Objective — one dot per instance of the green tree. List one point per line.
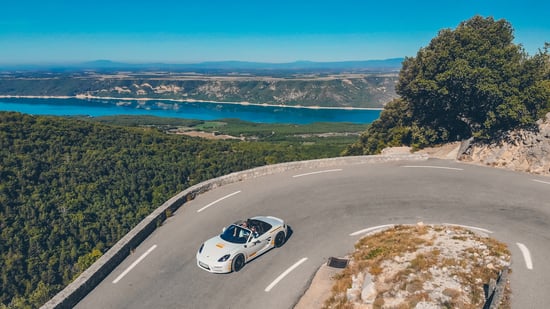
(469, 82)
(393, 128)
(87, 260)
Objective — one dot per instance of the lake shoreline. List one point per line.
(87, 97)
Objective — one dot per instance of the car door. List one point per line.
(263, 242)
(252, 247)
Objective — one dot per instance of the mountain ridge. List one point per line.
(391, 64)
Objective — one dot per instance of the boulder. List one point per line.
(368, 293)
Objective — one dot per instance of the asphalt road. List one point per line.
(323, 207)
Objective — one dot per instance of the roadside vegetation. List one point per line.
(470, 82)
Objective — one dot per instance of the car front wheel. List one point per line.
(238, 262)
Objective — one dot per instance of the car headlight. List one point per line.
(224, 258)
(200, 249)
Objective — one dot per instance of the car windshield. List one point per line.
(236, 234)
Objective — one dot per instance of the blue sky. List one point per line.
(185, 31)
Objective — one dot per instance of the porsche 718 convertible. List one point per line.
(241, 242)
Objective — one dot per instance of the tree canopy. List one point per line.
(469, 82)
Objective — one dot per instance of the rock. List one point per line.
(353, 294)
(520, 150)
(368, 294)
(426, 305)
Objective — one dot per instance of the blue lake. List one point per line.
(188, 110)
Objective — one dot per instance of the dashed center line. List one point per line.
(526, 255)
(433, 166)
(545, 182)
(318, 172)
(218, 200)
(284, 274)
(124, 273)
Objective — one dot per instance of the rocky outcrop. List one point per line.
(521, 150)
(427, 266)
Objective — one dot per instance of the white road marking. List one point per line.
(546, 182)
(219, 200)
(526, 255)
(134, 264)
(433, 166)
(319, 172)
(370, 229)
(471, 227)
(284, 274)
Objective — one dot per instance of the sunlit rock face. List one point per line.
(521, 150)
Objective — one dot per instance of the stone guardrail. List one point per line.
(91, 277)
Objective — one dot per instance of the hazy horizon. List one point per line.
(59, 31)
(186, 63)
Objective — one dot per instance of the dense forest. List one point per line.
(471, 82)
(70, 189)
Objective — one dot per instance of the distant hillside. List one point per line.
(386, 65)
(365, 90)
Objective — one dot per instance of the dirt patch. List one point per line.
(207, 135)
(448, 151)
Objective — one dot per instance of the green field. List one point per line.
(330, 139)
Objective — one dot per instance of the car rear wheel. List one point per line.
(238, 262)
(280, 239)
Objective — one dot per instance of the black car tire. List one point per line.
(238, 262)
(280, 239)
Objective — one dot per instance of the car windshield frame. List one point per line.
(236, 234)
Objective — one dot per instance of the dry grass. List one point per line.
(412, 264)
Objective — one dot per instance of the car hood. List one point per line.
(216, 247)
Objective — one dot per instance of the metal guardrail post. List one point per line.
(495, 291)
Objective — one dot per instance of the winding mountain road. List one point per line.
(328, 210)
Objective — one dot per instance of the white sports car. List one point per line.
(241, 242)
